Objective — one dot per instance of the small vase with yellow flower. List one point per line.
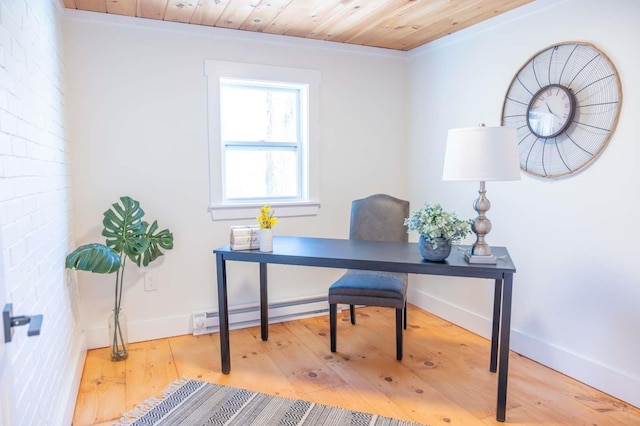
(266, 220)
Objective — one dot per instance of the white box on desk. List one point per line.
(251, 246)
(240, 230)
(244, 237)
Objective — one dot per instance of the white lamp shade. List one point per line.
(482, 154)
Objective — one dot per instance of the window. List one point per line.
(263, 142)
(261, 161)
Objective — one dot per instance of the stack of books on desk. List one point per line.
(244, 237)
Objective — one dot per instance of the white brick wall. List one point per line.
(35, 210)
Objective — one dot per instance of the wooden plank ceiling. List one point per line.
(391, 24)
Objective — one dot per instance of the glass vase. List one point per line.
(118, 339)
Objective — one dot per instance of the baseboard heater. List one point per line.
(249, 315)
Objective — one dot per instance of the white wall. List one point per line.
(138, 116)
(35, 209)
(577, 286)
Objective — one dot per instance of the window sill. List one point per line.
(250, 211)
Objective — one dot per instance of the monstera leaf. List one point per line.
(125, 230)
(127, 236)
(162, 239)
(96, 258)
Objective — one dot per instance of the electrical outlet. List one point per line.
(150, 281)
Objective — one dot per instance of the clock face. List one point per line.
(564, 103)
(550, 111)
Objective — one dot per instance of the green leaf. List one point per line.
(162, 239)
(124, 228)
(127, 235)
(433, 222)
(95, 257)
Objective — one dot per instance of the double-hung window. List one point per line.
(262, 139)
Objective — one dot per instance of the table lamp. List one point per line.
(481, 154)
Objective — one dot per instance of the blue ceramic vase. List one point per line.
(431, 254)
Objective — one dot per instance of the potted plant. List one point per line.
(266, 220)
(438, 230)
(127, 236)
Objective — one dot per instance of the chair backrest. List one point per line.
(379, 217)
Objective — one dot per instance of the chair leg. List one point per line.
(352, 314)
(399, 334)
(333, 312)
(405, 314)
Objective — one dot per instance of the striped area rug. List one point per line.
(199, 403)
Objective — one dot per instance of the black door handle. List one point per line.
(9, 321)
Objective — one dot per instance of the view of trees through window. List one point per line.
(262, 130)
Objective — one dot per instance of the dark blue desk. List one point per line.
(375, 256)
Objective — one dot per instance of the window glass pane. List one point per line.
(261, 174)
(251, 113)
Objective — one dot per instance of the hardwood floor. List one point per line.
(444, 378)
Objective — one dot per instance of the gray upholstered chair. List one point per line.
(379, 218)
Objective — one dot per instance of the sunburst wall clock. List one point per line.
(564, 102)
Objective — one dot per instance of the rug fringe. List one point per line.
(148, 405)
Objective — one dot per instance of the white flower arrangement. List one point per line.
(433, 223)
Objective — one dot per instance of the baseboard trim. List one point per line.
(589, 372)
(178, 325)
(71, 387)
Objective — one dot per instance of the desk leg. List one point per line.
(264, 303)
(505, 332)
(223, 314)
(495, 333)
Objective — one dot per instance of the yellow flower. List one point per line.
(266, 219)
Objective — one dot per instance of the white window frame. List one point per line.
(221, 210)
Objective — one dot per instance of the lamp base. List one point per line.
(480, 252)
(474, 258)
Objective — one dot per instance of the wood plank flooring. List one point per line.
(444, 378)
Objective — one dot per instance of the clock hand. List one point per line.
(552, 113)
